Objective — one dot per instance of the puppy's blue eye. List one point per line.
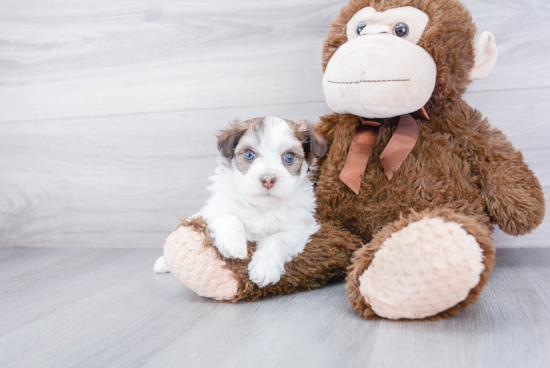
(360, 27)
(289, 158)
(249, 155)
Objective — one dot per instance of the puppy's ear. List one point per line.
(317, 143)
(312, 140)
(229, 138)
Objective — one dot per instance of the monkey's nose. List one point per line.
(268, 181)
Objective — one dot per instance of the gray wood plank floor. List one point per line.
(106, 308)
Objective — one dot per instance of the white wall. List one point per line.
(108, 109)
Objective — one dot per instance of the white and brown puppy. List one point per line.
(262, 192)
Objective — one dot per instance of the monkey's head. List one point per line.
(385, 58)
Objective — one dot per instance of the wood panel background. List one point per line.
(108, 109)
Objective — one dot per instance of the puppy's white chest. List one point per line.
(266, 222)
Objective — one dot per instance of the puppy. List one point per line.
(261, 191)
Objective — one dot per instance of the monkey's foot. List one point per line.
(427, 266)
(191, 258)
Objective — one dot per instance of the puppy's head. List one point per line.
(270, 156)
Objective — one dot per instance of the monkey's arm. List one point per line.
(514, 196)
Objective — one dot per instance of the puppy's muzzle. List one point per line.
(268, 181)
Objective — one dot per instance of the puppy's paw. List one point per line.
(264, 269)
(232, 245)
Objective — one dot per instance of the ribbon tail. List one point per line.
(358, 156)
(400, 145)
(420, 114)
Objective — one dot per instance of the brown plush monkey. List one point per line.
(413, 179)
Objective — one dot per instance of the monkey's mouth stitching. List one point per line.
(372, 81)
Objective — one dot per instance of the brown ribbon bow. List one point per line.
(400, 145)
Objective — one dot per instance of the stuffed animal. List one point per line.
(413, 180)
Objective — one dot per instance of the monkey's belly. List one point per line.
(423, 181)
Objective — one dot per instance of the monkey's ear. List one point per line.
(486, 55)
(229, 138)
(315, 142)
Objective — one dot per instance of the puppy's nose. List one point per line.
(268, 181)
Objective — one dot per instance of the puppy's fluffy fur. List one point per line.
(242, 207)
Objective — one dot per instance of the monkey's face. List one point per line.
(381, 72)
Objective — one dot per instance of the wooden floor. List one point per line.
(106, 308)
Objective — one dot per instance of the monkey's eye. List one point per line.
(249, 155)
(401, 30)
(289, 158)
(360, 27)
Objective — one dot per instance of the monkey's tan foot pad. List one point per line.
(198, 265)
(421, 270)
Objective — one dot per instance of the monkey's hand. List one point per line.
(515, 200)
